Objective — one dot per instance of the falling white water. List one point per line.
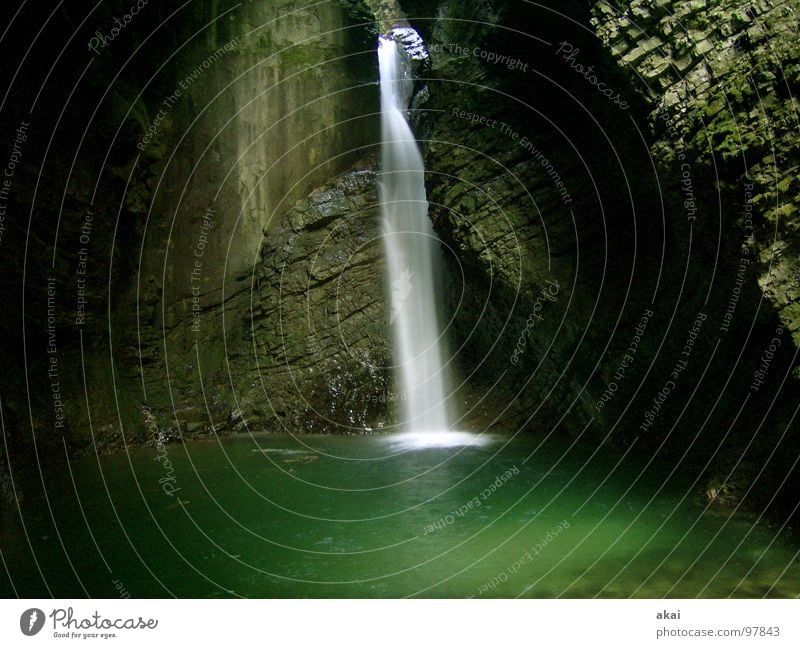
(411, 251)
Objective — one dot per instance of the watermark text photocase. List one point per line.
(103, 40)
(196, 275)
(454, 49)
(83, 266)
(475, 502)
(569, 54)
(686, 181)
(548, 293)
(760, 374)
(160, 437)
(652, 413)
(626, 362)
(523, 142)
(183, 86)
(14, 159)
(524, 559)
(53, 371)
(744, 259)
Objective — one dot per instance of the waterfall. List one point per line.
(411, 251)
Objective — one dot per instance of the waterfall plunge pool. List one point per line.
(377, 516)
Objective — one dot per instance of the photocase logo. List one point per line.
(31, 621)
(401, 289)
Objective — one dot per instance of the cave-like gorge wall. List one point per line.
(163, 183)
(225, 240)
(720, 78)
(515, 192)
(575, 161)
(293, 107)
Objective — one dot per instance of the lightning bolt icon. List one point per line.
(32, 620)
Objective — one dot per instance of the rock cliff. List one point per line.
(614, 185)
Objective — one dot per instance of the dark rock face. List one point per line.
(317, 319)
(6, 484)
(613, 168)
(303, 109)
(515, 195)
(302, 347)
(297, 112)
(151, 215)
(611, 187)
(721, 81)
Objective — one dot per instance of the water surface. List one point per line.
(383, 516)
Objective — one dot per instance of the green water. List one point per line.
(370, 517)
